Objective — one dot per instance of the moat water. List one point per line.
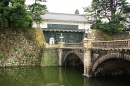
(56, 76)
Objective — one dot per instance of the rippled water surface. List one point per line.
(56, 76)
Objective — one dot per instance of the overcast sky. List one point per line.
(65, 6)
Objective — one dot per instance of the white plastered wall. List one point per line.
(80, 25)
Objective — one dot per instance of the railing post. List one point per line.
(128, 43)
(60, 52)
(88, 43)
(107, 45)
(61, 44)
(46, 45)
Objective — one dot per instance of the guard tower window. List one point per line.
(62, 26)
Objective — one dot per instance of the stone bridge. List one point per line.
(99, 58)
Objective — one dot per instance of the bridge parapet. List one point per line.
(51, 45)
(64, 45)
(111, 44)
(88, 43)
(73, 45)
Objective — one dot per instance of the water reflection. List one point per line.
(61, 76)
(55, 76)
(20, 77)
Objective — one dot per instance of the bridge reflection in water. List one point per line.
(55, 76)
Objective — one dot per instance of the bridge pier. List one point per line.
(87, 44)
(60, 57)
(87, 63)
(60, 52)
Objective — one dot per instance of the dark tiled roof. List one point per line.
(64, 17)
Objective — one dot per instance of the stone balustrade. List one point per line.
(73, 45)
(111, 44)
(51, 45)
(64, 45)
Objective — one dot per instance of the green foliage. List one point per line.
(37, 10)
(16, 49)
(90, 12)
(13, 13)
(76, 11)
(111, 27)
(113, 11)
(1, 55)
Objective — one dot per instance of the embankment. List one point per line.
(19, 47)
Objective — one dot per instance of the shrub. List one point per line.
(1, 56)
(16, 49)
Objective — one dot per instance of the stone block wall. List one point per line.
(40, 36)
(19, 47)
(50, 57)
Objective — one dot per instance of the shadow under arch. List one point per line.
(74, 58)
(118, 59)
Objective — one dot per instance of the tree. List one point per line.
(90, 13)
(37, 9)
(13, 13)
(76, 11)
(127, 14)
(109, 15)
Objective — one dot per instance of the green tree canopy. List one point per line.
(109, 15)
(37, 9)
(13, 13)
(76, 11)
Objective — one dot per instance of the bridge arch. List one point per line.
(75, 53)
(109, 56)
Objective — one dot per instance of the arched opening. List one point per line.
(72, 60)
(113, 66)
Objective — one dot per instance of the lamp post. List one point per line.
(87, 31)
(61, 37)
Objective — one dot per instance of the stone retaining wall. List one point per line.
(19, 47)
(50, 57)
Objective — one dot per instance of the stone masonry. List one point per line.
(19, 48)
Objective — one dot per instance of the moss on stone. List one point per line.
(49, 58)
(40, 36)
(1, 56)
(104, 36)
(24, 42)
